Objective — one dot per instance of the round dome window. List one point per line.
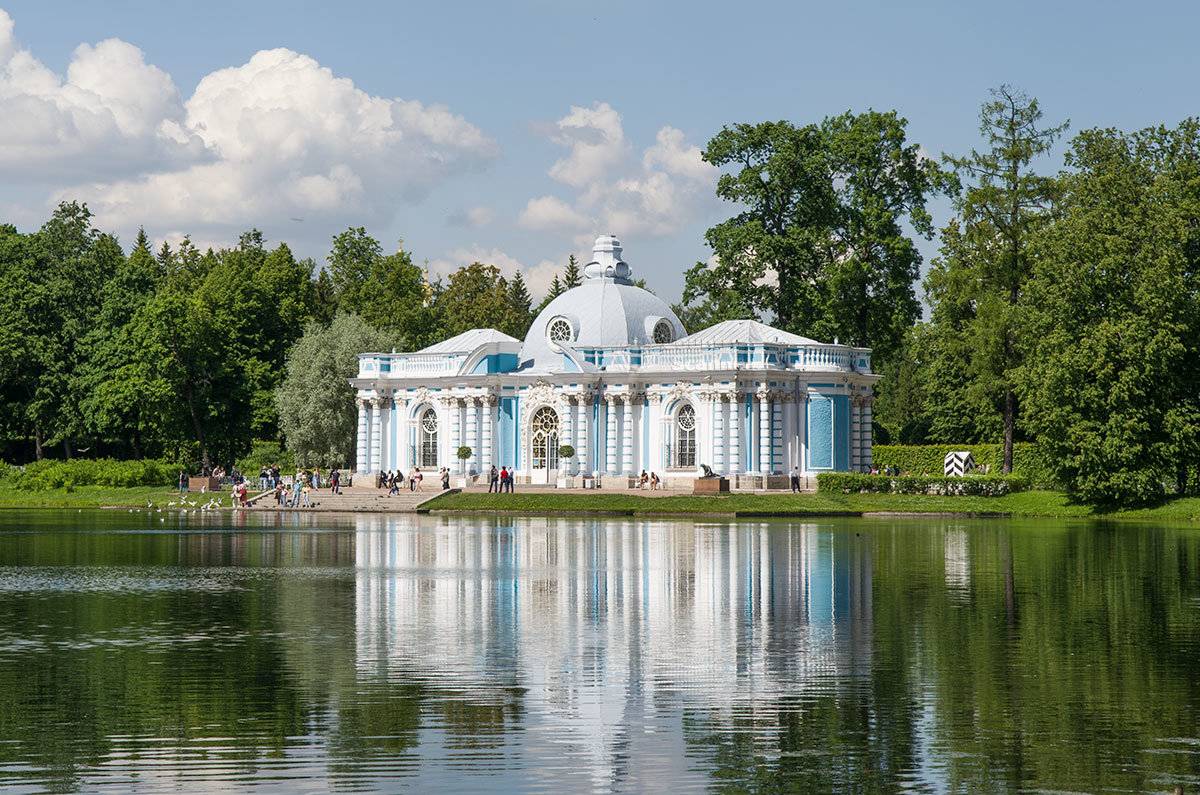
(663, 333)
(559, 330)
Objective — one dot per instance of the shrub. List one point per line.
(969, 486)
(1029, 461)
(566, 451)
(464, 453)
(48, 474)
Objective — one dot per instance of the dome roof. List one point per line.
(607, 310)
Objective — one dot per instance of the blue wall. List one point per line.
(506, 434)
(820, 432)
(841, 435)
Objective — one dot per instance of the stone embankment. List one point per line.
(357, 499)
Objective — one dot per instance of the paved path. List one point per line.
(356, 499)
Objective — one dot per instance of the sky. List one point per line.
(514, 133)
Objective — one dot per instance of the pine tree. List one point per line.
(572, 276)
(519, 302)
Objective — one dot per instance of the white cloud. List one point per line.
(279, 136)
(670, 187)
(291, 139)
(549, 212)
(537, 277)
(112, 112)
(596, 140)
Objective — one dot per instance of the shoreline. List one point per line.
(739, 505)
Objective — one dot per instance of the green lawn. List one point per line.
(1029, 503)
(97, 497)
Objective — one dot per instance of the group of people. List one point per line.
(500, 480)
(650, 481)
(890, 471)
(394, 481)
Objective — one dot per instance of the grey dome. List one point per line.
(605, 311)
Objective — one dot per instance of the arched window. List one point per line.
(685, 437)
(560, 330)
(663, 333)
(428, 455)
(544, 438)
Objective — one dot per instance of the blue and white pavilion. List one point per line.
(608, 369)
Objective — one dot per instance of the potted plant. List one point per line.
(565, 453)
(464, 453)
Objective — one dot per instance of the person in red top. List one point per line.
(503, 479)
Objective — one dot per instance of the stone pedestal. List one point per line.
(203, 484)
(710, 486)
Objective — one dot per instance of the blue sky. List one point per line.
(493, 162)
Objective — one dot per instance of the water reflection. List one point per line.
(470, 654)
(617, 628)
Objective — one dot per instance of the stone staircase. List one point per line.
(356, 499)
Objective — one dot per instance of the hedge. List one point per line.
(1029, 461)
(50, 474)
(969, 486)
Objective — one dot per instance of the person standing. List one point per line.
(493, 480)
(445, 479)
(183, 482)
(795, 480)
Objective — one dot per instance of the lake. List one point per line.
(159, 652)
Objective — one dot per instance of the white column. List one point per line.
(376, 429)
(568, 432)
(735, 433)
(473, 433)
(610, 436)
(581, 431)
(719, 437)
(489, 419)
(454, 417)
(855, 433)
(627, 437)
(868, 425)
(802, 427)
(360, 450)
(764, 433)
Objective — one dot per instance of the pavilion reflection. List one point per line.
(610, 620)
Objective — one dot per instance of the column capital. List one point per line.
(586, 398)
(611, 399)
(489, 399)
(362, 402)
(763, 394)
(381, 401)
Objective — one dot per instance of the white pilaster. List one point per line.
(568, 432)
(473, 434)
(764, 431)
(489, 419)
(627, 437)
(735, 433)
(802, 426)
(868, 426)
(610, 436)
(454, 417)
(585, 423)
(855, 433)
(376, 433)
(361, 463)
(720, 437)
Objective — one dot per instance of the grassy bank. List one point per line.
(1024, 504)
(95, 497)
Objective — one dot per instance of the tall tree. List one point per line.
(520, 315)
(556, 289)
(1110, 321)
(820, 246)
(352, 260)
(1001, 209)
(315, 400)
(573, 274)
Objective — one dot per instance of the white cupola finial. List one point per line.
(606, 261)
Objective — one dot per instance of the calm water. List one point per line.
(154, 653)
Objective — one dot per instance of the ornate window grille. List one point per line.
(544, 438)
(560, 330)
(429, 439)
(663, 333)
(685, 437)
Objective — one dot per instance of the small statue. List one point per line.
(708, 473)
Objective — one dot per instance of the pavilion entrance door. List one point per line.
(543, 446)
